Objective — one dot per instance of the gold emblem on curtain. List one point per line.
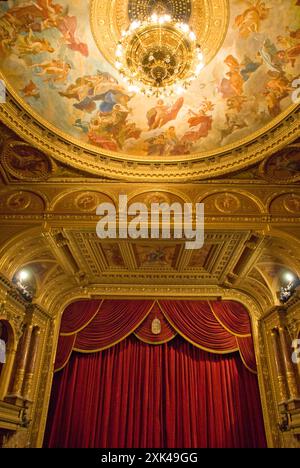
(156, 327)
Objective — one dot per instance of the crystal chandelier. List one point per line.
(159, 56)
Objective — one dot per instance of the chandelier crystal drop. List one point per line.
(159, 57)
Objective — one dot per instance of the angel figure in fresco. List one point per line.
(102, 87)
(56, 71)
(200, 121)
(290, 47)
(276, 89)
(233, 85)
(110, 130)
(31, 90)
(249, 22)
(68, 26)
(234, 119)
(268, 54)
(32, 45)
(163, 144)
(161, 114)
(38, 15)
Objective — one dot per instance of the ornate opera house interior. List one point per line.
(116, 331)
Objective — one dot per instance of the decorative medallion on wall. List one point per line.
(227, 203)
(282, 168)
(25, 162)
(19, 201)
(292, 204)
(87, 201)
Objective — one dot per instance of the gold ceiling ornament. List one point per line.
(209, 21)
(159, 56)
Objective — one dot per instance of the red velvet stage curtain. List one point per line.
(136, 395)
(78, 315)
(212, 326)
(196, 322)
(115, 321)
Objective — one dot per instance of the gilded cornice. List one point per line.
(28, 125)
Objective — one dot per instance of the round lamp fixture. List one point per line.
(159, 57)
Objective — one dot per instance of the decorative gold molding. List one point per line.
(20, 117)
(209, 21)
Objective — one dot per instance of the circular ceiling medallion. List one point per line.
(209, 20)
(25, 162)
(282, 168)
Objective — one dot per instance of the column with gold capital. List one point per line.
(22, 357)
(282, 384)
(31, 363)
(287, 351)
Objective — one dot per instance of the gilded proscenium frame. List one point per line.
(195, 293)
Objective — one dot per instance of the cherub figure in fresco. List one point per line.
(31, 91)
(291, 52)
(8, 32)
(202, 120)
(103, 87)
(57, 71)
(234, 83)
(32, 45)
(167, 143)
(111, 130)
(249, 22)
(239, 73)
(38, 15)
(156, 145)
(161, 114)
(276, 89)
(234, 119)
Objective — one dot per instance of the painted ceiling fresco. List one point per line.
(49, 57)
